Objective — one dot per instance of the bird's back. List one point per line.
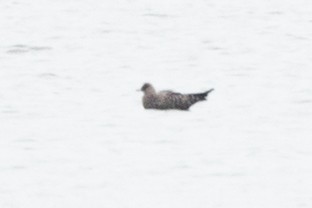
(173, 100)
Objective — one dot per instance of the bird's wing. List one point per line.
(173, 100)
(169, 93)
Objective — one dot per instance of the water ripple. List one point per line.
(21, 48)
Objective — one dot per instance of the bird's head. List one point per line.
(147, 88)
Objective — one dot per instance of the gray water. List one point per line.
(74, 132)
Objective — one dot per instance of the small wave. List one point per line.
(47, 75)
(40, 48)
(303, 101)
(21, 48)
(9, 111)
(275, 13)
(297, 37)
(157, 15)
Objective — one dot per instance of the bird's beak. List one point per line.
(138, 90)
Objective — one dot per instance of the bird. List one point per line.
(165, 100)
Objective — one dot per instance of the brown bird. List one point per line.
(165, 100)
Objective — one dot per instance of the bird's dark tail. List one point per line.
(202, 96)
(194, 98)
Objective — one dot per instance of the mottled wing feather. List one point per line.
(174, 100)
